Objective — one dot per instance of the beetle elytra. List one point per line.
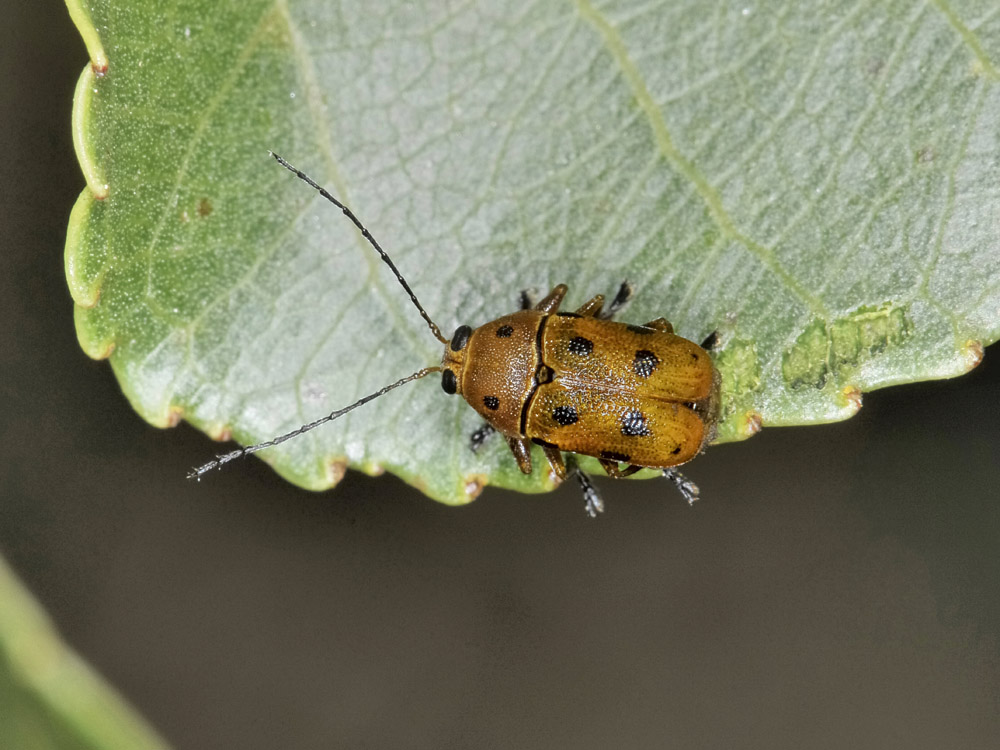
(574, 383)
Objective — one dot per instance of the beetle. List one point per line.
(574, 383)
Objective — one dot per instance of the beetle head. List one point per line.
(453, 361)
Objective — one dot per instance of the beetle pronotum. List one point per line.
(570, 382)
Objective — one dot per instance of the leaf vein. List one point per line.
(615, 46)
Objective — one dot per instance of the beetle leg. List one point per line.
(555, 458)
(552, 300)
(594, 505)
(613, 471)
(562, 469)
(660, 324)
(592, 498)
(592, 308)
(480, 436)
(521, 449)
(711, 341)
(526, 299)
(610, 466)
(685, 486)
(621, 298)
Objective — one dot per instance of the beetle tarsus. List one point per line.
(685, 486)
(624, 294)
(593, 503)
(478, 438)
(526, 299)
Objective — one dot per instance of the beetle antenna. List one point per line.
(368, 236)
(225, 458)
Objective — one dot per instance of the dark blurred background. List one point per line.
(837, 587)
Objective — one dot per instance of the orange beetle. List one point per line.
(571, 382)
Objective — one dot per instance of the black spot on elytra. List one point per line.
(613, 456)
(640, 330)
(491, 402)
(645, 363)
(565, 415)
(634, 424)
(504, 332)
(581, 346)
(675, 451)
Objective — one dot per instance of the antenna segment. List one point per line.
(225, 458)
(368, 236)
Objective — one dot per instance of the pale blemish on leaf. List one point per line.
(823, 351)
(739, 367)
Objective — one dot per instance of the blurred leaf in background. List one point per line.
(50, 698)
(816, 180)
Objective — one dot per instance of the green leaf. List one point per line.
(49, 698)
(817, 181)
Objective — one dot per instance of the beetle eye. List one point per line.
(461, 337)
(448, 382)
